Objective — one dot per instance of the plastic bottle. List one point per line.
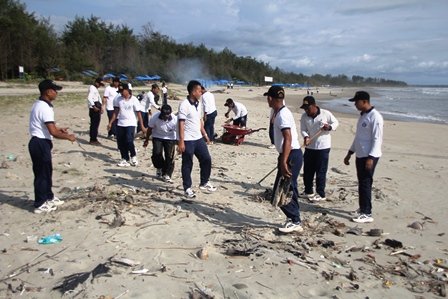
(50, 240)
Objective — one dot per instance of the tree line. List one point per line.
(92, 44)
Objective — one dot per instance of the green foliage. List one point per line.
(92, 44)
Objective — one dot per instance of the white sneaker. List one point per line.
(159, 172)
(45, 208)
(291, 227)
(189, 193)
(167, 178)
(317, 198)
(134, 161)
(306, 195)
(355, 213)
(363, 218)
(207, 187)
(123, 163)
(55, 202)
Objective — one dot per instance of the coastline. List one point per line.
(246, 256)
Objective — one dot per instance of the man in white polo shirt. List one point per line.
(163, 126)
(210, 113)
(94, 103)
(240, 118)
(290, 155)
(193, 140)
(42, 130)
(127, 110)
(110, 92)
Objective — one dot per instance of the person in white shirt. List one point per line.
(289, 160)
(367, 146)
(317, 151)
(144, 107)
(110, 92)
(240, 118)
(127, 111)
(210, 113)
(164, 93)
(94, 103)
(163, 126)
(42, 130)
(193, 140)
(151, 98)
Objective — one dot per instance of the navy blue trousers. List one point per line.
(365, 181)
(40, 152)
(113, 128)
(209, 125)
(145, 118)
(291, 210)
(199, 149)
(95, 119)
(240, 121)
(315, 163)
(125, 141)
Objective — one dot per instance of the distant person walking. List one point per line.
(94, 103)
(164, 93)
(42, 130)
(240, 118)
(127, 111)
(110, 92)
(317, 151)
(193, 140)
(367, 146)
(210, 113)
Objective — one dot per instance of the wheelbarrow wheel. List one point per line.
(228, 138)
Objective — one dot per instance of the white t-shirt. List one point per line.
(239, 110)
(191, 114)
(164, 89)
(310, 126)
(128, 109)
(149, 101)
(163, 129)
(93, 96)
(208, 100)
(285, 120)
(41, 114)
(110, 93)
(369, 135)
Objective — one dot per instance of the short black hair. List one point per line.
(192, 85)
(154, 86)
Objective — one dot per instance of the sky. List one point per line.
(405, 40)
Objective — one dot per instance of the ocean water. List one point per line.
(414, 104)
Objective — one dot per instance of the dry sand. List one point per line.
(114, 212)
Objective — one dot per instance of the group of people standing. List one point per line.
(192, 129)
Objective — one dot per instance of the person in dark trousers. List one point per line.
(289, 158)
(240, 118)
(110, 92)
(42, 131)
(164, 94)
(94, 103)
(210, 113)
(193, 140)
(367, 146)
(162, 127)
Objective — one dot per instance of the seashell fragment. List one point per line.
(416, 225)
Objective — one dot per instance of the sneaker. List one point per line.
(207, 187)
(159, 172)
(363, 218)
(134, 161)
(55, 202)
(45, 208)
(306, 195)
(97, 143)
(291, 227)
(189, 193)
(355, 213)
(316, 198)
(272, 146)
(124, 163)
(167, 179)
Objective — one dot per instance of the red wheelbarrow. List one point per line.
(235, 134)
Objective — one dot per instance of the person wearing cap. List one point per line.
(319, 123)
(110, 92)
(42, 131)
(289, 160)
(240, 118)
(210, 113)
(193, 140)
(127, 111)
(163, 126)
(94, 103)
(367, 146)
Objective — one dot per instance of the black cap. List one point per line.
(360, 95)
(123, 86)
(166, 110)
(307, 101)
(276, 92)
(48, 84)
(99, 80)
(228, 101)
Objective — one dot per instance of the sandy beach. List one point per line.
(127, 234)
